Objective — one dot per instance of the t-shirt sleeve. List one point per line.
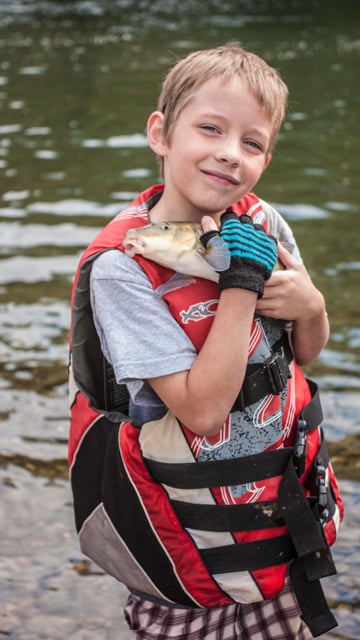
(280, 229)
(138, 334)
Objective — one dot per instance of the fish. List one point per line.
(177, 246)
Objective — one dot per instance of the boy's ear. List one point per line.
(267, 161)
(155, 134)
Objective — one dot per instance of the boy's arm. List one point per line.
(290, 294)
(203, 396)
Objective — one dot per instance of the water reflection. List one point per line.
(77, 81)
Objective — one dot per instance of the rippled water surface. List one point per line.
(77, 82)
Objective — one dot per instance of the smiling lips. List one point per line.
(223, 177)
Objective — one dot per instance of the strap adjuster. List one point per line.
(322, 491)
(270, 377)
(278, 372)
(300, 446)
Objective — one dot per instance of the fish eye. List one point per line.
(165, 226)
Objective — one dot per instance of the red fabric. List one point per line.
(189, 300)
(82, 417)
(188, 565)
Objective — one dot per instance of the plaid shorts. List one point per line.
(277, 619)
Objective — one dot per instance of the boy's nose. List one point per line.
(229, 153)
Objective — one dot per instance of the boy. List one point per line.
(217, 480)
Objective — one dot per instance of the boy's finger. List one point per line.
(208, 224)
(286, 258)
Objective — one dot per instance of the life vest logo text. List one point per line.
(199, 311)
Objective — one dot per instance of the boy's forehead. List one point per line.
(210, 93)
(213, 88)
(219, 81)
(227, 100)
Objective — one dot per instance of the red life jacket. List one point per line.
(175, 523)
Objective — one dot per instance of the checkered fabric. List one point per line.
(277, 619)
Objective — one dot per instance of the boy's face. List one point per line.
(216, 153)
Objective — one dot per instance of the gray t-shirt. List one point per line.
(138, 335)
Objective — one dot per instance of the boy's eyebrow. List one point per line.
(253, 128)
(212, 114)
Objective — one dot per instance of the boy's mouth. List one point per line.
(223, 177)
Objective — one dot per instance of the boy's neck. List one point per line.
(161, 213)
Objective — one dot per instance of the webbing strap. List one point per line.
(248, 556)
(323, 454)
(309, 418)
(312, 412)
(218, 473)
(269, 377)
(224, 517)
(304, 528)
(314, 609)
(313, 559)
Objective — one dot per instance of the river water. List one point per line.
(77, 81)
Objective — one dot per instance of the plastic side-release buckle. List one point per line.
(300, 447)
(278, 372)
(322, 492)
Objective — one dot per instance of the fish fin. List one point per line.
(217, 254)
(177, 281)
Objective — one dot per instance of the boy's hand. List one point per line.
(290, 294)
(253, 254)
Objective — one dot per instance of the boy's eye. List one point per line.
(254, 144)
(210, 127)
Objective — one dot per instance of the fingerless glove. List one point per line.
(253, 254)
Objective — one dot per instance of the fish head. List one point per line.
(177, 246)
(163, 242)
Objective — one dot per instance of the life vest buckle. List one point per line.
(322, 491)
(278, 372)
(300, 447)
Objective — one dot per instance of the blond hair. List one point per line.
(228, 61)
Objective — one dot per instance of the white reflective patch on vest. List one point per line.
(100, 542)
(73, 389)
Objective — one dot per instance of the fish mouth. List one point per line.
(225, 177)
(133, 245)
